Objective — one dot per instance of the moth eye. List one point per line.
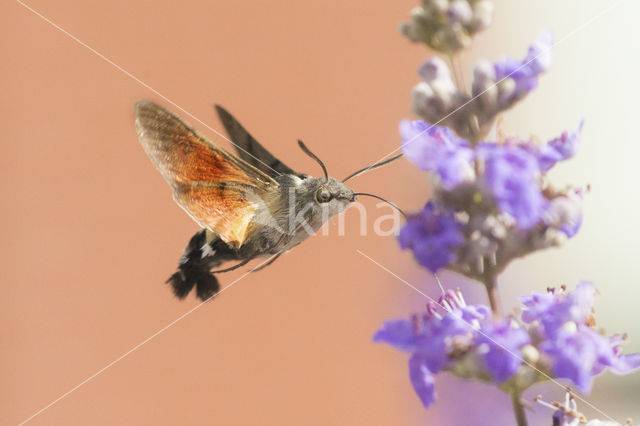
(323, 195)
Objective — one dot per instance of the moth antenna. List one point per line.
(315, 157)
(372, 166)
(382, 199)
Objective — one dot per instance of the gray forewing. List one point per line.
(249, 149)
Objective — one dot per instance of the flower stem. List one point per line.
(494, 301)
(518, 409)
(491, 284)
(458, 76)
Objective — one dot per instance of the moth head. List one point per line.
(328, 192)
(334, 193)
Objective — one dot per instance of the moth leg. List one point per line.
(267, 264)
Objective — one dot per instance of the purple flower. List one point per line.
(559, 149)
(554, 310)
(575, 350)
(500, 345)
(580, 355)
(497, 87)
(436, 148)
(438, 340)
(536, 305)
(431, 333)
(433, 236)
(539, 56)
(510, 174)
(429, 337)
(524, 74)
(565, 213)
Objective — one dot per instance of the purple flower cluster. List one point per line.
(491, 203)
(493, 199)
(555, 337)
(436, 340)
(495, 88)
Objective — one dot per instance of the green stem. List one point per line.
(518, 409)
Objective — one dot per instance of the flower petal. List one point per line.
(559, 149)
(502, 344)
(510, 173)
(437, 149)
(397, 333)
(433, 236)
(625, 364)
(422, 380)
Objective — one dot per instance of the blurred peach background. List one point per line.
(90, 231)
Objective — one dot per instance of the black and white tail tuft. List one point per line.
(194, 270)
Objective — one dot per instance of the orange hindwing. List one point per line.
(218, 190)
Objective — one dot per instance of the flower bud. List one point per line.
(484, 87)
(482, 12)
(530, 354)
(436, 6)
(507, 92)
(447, 25)
(460, 11)
(435, 69)
(424, 102)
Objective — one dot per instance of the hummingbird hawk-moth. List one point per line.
(249, 206)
